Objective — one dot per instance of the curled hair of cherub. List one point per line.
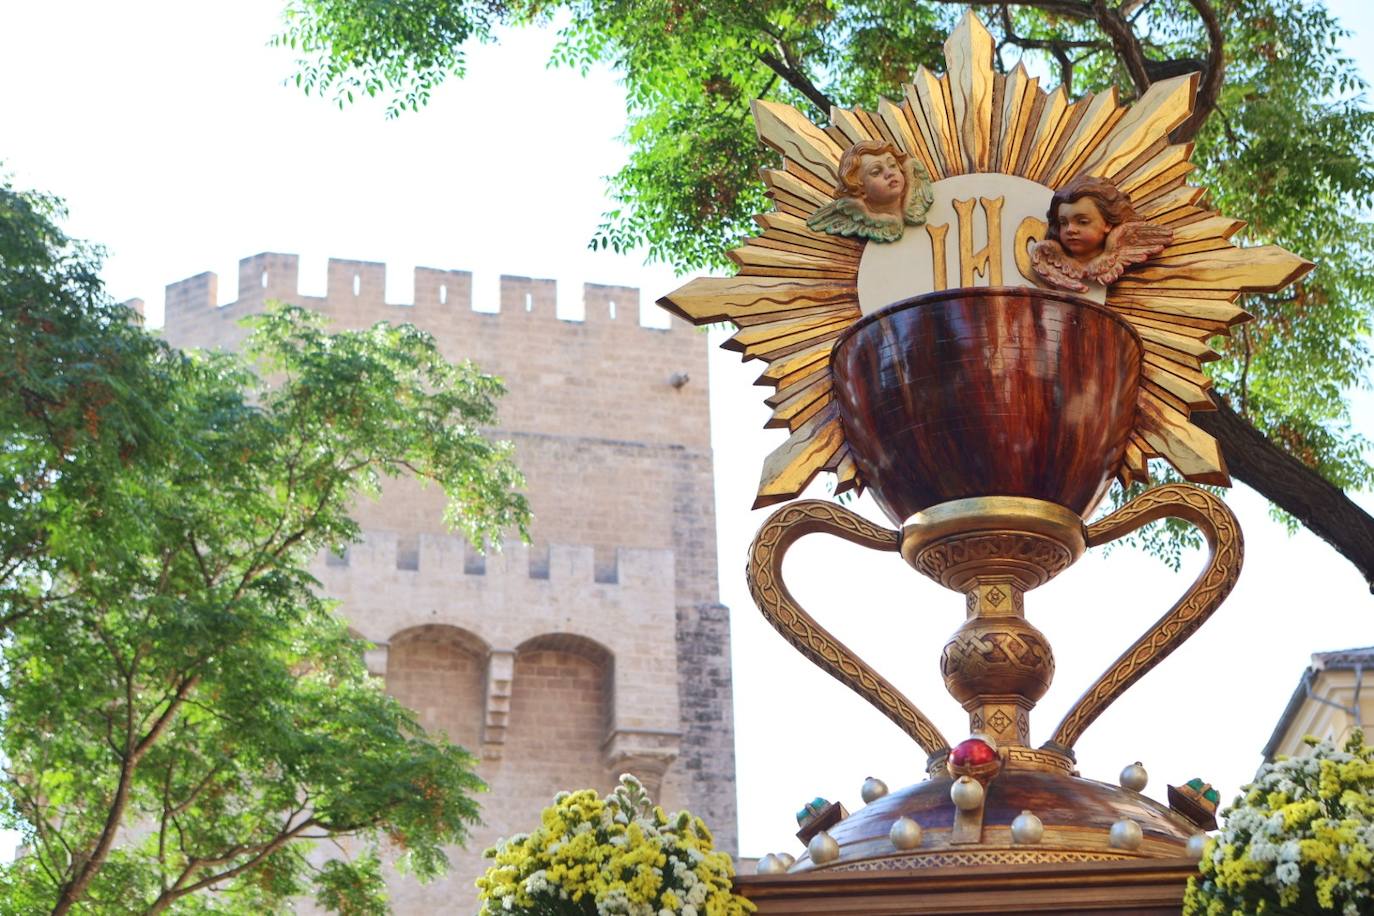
(849, 184)
(1111, 202)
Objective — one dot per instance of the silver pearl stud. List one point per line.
(769, 865)
(905, 833)
(1125, 834)
(1026, 829)
(823, 848)
(1134, 777)
(872, 790)
(966, 793)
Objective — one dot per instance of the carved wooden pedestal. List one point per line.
(1151, 887)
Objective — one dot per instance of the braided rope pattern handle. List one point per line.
(1226, 549)
(783, 528)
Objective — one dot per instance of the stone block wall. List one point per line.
(600, 647)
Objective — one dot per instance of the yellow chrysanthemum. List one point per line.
(617, 851)
(1279, 853)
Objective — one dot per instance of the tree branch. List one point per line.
(180, 808)
(75, 889)
(1319, 505)
(797, 80)
(1213, 72)
(1073, 9)
(32, 808)
(1057, 47)
(1065, 69)
(176, 891)
(1124, 42)
(1132, 9)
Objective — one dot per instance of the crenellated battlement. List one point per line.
(360, 286)
(601, 377)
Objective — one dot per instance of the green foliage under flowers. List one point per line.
(617, 856)
(1299, 840)
(181, 714)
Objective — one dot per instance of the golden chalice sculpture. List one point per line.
(983, 304)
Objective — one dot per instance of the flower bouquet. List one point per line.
(1299, 840)
(617, 856)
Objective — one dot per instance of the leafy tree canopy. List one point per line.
(1282, 137)
(179, 711)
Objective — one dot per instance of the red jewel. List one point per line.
(972, 752)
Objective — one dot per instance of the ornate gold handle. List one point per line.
(780, 609)
(1227, 549)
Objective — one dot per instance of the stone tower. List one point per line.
(599, 648)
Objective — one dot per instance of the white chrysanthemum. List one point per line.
(1243, 820)
(1288, 873)
(615, 903)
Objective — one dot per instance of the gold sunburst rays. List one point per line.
(797, 290)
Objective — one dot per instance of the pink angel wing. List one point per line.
(1127, 244)
(1052, 264)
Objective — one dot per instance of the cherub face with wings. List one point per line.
(1083, 212)
(1094, 234)
(879, 192)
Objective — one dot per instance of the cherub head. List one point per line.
(879, 191)
(1083, 212)
(876, 173)
(1094, 234)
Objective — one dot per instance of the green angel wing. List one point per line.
(847, 216)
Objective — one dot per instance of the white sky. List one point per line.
(167, 127)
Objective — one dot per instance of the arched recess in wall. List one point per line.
(439, 671)
(561, 704)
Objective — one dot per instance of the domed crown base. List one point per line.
(1077, 816)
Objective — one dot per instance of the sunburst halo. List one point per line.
(798, 290)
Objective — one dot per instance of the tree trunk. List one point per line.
(1319, 505)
